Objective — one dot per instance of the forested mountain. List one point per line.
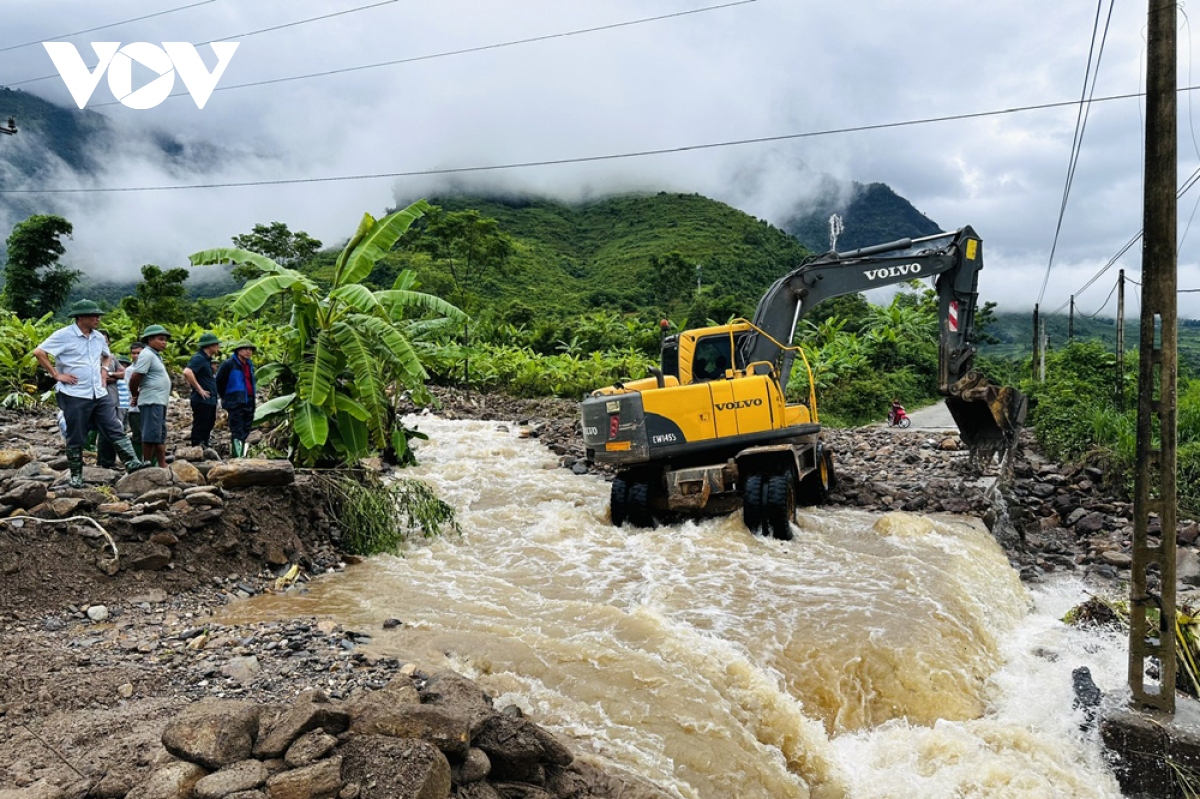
(871, 214)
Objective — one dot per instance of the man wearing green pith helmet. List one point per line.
(79, 386)
(150, 391)
(201, 376)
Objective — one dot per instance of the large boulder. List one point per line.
(14, 458)
(213, 732)
(321, 780)
(25, 494)
(395, 768)
(186, 473)
(172, 781)
(510, 739)
(447, 728)
(309, 713)
(144, 480)
(244, 776)
(244, 473)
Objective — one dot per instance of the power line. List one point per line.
(587, 159)
(1080, 127)
(103, 27)
(465, 50)
(1184, 189)
(1106, 301)
(246, 35)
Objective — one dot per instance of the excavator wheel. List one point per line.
(641, 514)
(815, 488)
(752, 503)
(620, 500)
(780, 505)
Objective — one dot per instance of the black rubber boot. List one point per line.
(132, 461)
(75, 464)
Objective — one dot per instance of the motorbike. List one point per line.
(898, 418)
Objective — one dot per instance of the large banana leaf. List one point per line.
(354, 435)
(396, 301)
(378, 242)
(232, 255)
(364, 227)
(366, 380)
(271, 407)
(311, 425)
(267, 373)
(256, 294)
(357, 296)
(317, 377)
(348, 405)
(393, 348)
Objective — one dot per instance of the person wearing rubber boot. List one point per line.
(236, 385)
(78, 350)
(201, 376)
(150, 391)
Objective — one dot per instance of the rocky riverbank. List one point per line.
(98, 660)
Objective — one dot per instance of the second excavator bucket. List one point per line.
(989, 417)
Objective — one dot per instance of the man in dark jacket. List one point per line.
(201, 377)
(235, 384)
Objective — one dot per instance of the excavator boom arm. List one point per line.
(988, 417)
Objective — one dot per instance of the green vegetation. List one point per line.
(346, 352)
(1077, 419)
(377, 516)
(35, 283)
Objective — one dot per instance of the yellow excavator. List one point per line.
(710, 431)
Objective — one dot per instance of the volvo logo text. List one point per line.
(733, 406)
(892, 271)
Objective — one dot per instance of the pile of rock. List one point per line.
(422, 736)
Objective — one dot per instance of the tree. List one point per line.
(278, 243)
(35, 283)
(159, 298)
(349, 357)
(467, 244)
(672, 279)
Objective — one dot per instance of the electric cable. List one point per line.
(1081, 119)
(246, 35)
(104, 27)
(1184, 189)
(584, 159)
(462, 51)
(1106, 301)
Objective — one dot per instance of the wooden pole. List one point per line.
(1120, 395)
(1037, 341)
(1152, 607)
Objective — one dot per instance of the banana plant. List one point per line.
(348, 353)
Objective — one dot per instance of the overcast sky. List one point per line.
(759, 69)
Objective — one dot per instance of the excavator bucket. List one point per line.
(989, 417)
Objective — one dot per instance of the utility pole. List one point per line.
(12, 127)
(1037, 341)
(1071, 321)
(1154, 492)
(1121, 341)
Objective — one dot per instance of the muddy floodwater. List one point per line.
(873, 656)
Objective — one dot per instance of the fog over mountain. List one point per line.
(752, 70)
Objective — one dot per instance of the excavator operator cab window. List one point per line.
(670, 356)
(712, 357)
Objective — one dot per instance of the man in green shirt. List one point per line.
(150, 391)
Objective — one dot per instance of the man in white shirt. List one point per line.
(80, 387)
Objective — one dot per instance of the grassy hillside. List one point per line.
(597, 254)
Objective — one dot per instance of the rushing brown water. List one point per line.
(873, 656)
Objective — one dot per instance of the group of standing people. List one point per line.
(126, 402)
